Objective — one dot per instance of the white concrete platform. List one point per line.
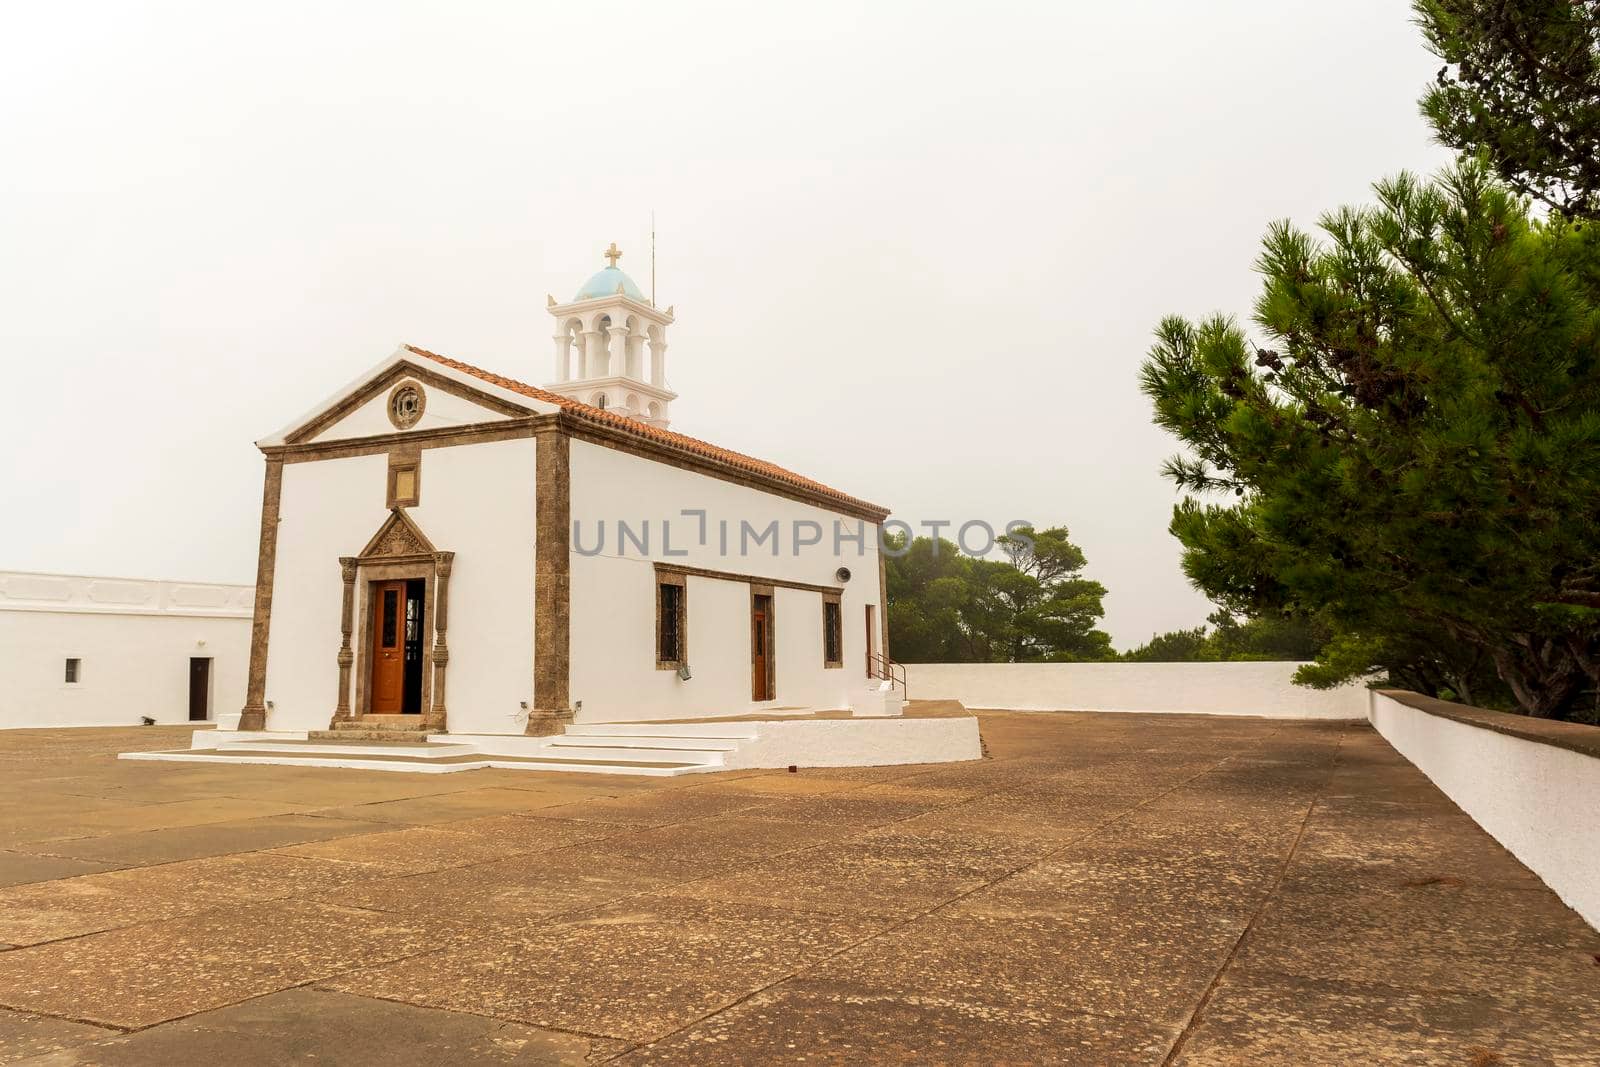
(657, 749)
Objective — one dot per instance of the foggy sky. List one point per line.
(916, 250)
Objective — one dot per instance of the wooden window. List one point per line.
(404, 481)
(832, 631)
(672, 621)
(74, 671)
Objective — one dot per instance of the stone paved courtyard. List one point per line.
(1103, 889)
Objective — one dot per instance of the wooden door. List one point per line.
(199, 688)
(760, 648)
(872, 645)
(388, 648)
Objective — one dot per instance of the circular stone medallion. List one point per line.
(406, 404)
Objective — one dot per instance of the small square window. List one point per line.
(74, 670)
(404, 482)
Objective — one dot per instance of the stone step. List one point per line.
(346, 746)
(633, 754)
(415, 765)
(685, 744)
(408, 723)
(356, 733)
(731, 731)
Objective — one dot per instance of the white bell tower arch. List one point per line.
(611, 347)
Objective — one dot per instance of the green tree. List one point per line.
(1413, 456)
(1174, 646)
(1521, 86)
(1230, 639)
(945, 607)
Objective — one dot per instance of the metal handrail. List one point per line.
(885, 669)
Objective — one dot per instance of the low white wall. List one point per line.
(1534, 797)
(133, 640)
(1265, 689)
(859, 743)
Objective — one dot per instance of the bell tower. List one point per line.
(611, 347)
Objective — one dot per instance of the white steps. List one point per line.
(655, 749)
(620, 754)
(418, 750)
(727, 731)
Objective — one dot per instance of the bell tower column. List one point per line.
(594, 353)
(619, 349)
(563, 357)
(658, 362)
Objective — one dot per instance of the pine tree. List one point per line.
(1413, 451)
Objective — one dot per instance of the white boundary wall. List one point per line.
(1265, 689)
(1535, 798)
(134, 639)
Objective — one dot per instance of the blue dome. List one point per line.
(605, 282)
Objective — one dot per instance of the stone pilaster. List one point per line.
(347, 570)
(253, 716)
(442, 562)
(552, 585)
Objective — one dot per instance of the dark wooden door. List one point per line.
(199, 689)
(872, 645)
(388, 647)
(760, 648)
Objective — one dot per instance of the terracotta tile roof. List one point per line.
(613, 420)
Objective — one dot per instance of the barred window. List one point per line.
(671, 621)
(832, 632)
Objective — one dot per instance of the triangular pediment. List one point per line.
(398, 536)
(438, 398)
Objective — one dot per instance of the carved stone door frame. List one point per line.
(399, 551)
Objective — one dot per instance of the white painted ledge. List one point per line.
(1535, 797)
(1264, 689)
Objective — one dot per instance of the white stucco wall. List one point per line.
(135, 639)
(859, 743)
(1538, 800)
(476, 501)
(614, 671)
(442, 410)
(1264, 689)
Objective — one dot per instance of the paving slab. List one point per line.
(813, 1021)
(1274, 1019)
(24, 1036)
(507, 895)
(146, 974)
(737, 839)
(324, 1027)
(412, 850)
(659, 808)
(50, 911)
(1148, 965)
(418, 810)
(20, 868)
(634, 970)
(211, 839)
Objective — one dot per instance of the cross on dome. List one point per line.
(612, 254)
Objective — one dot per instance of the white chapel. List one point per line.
(445, 549)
